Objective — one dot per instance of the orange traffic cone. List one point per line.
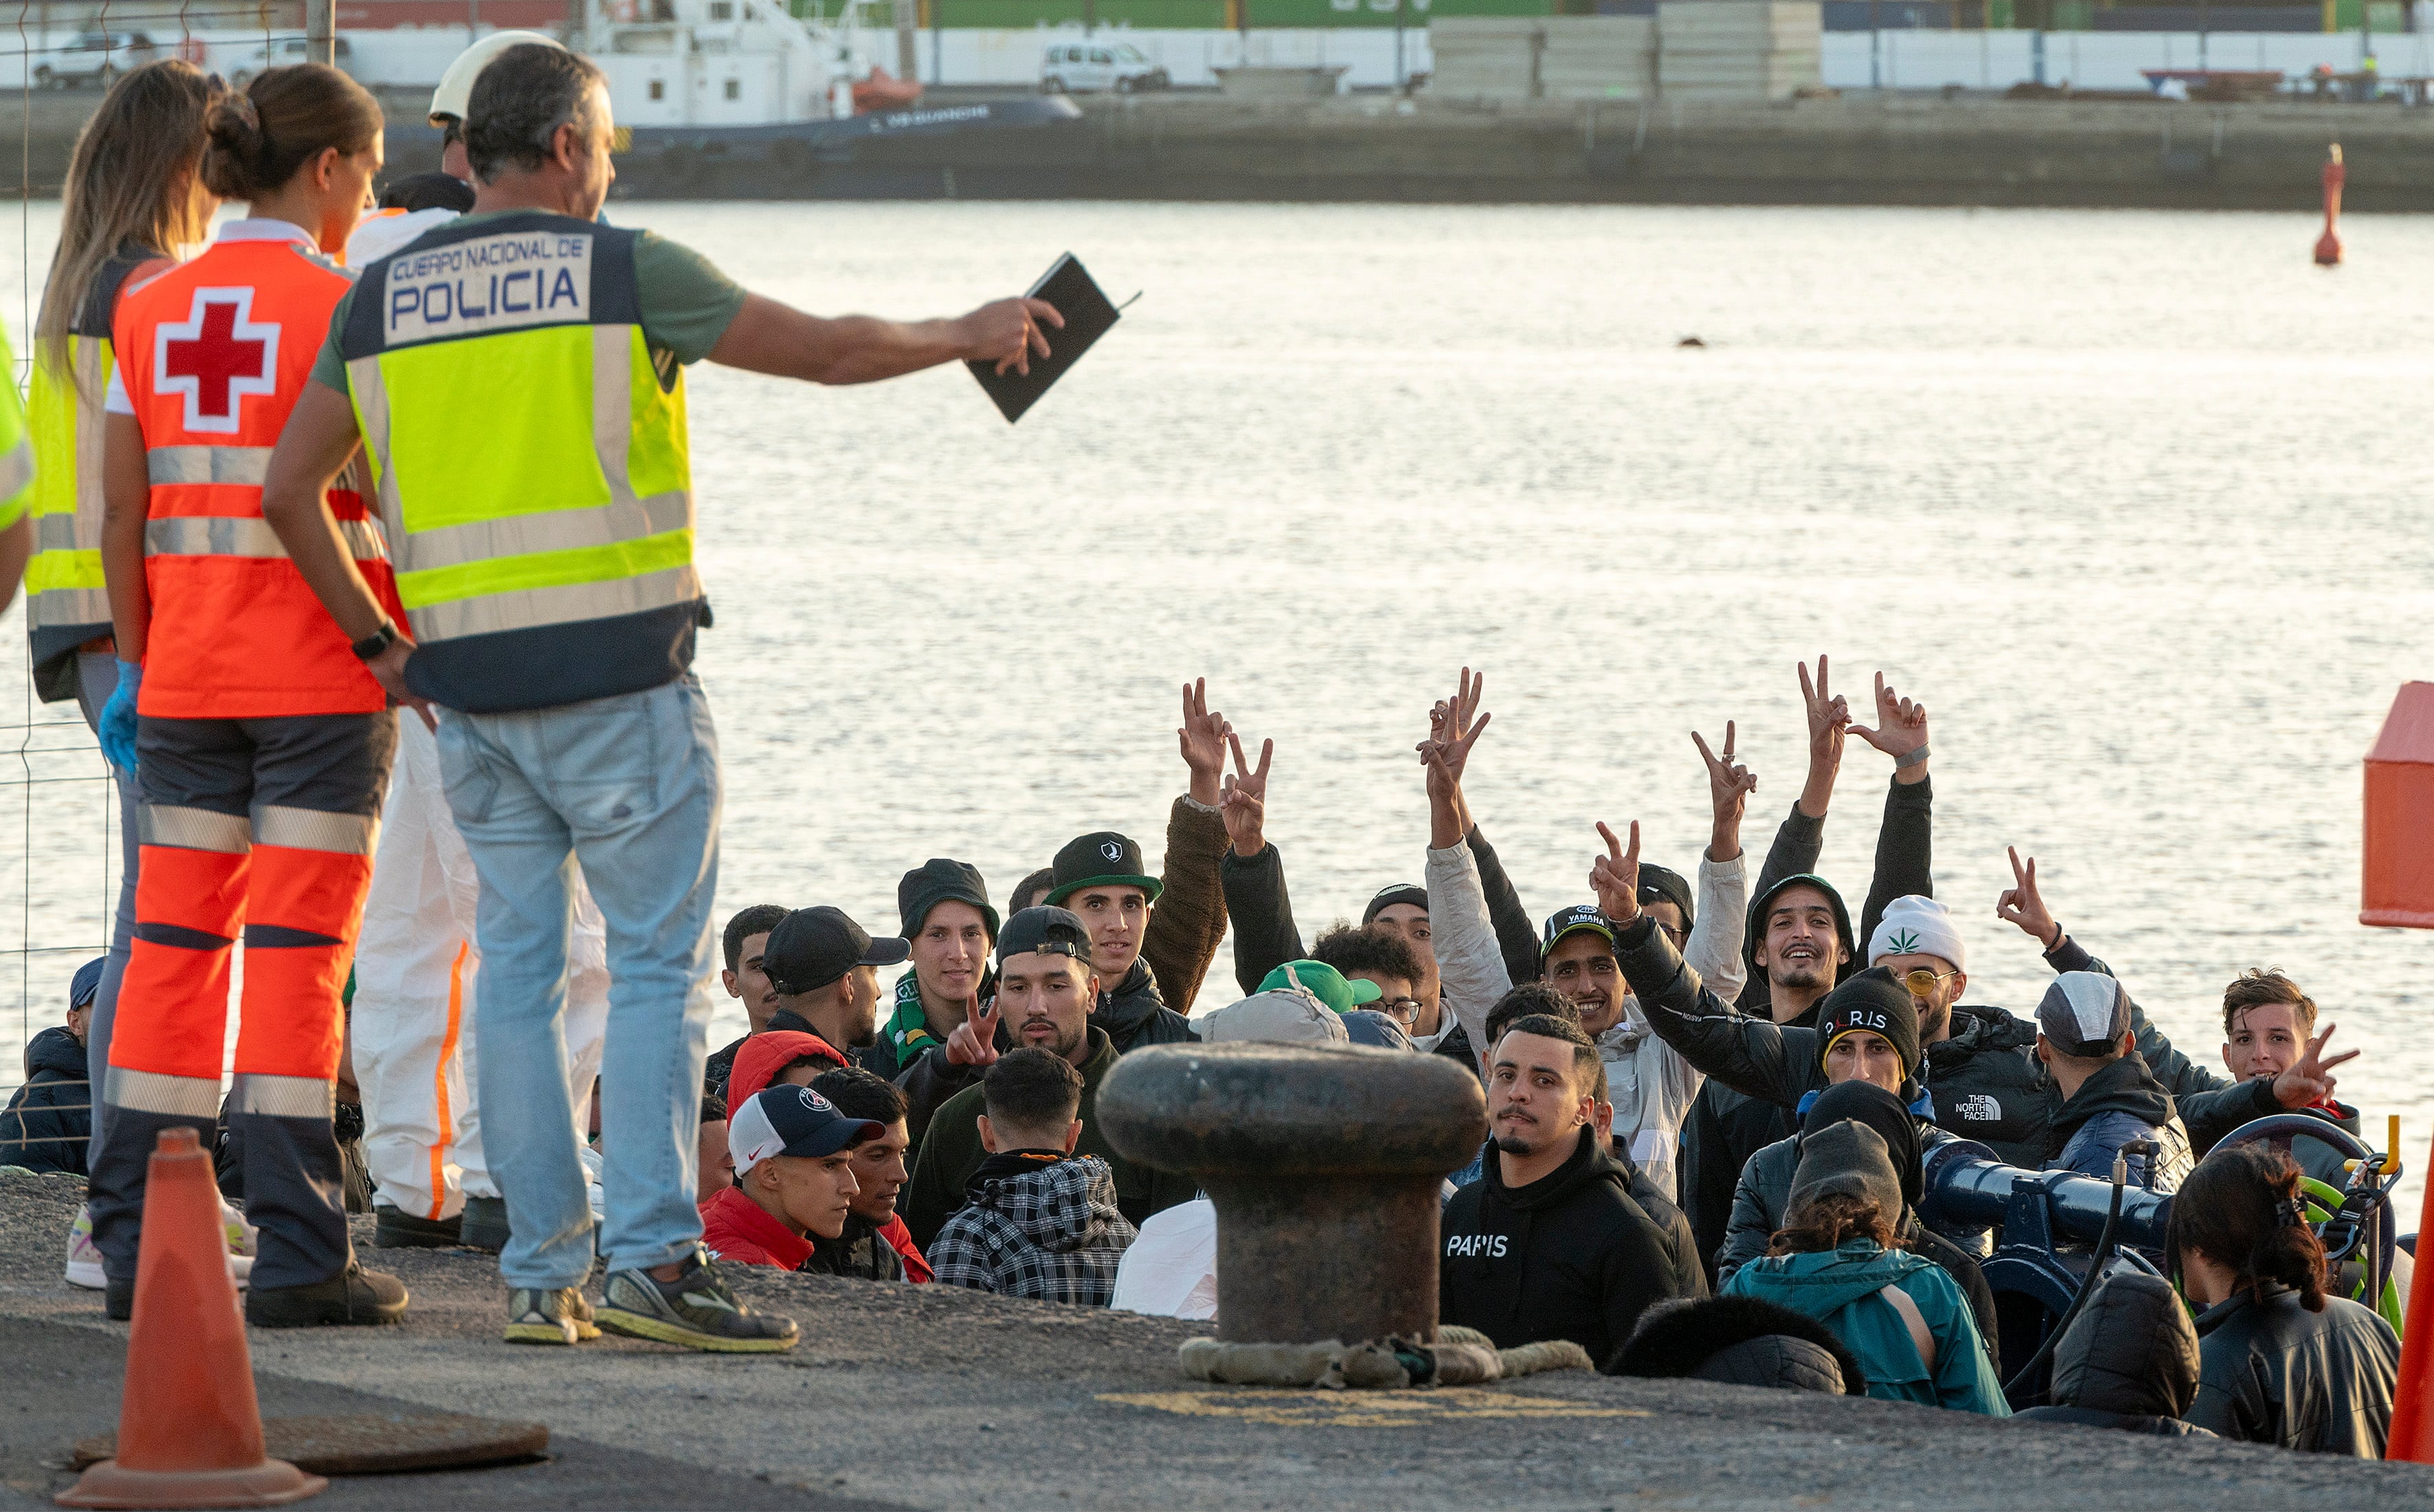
(2412, 1408)
(188, 1431)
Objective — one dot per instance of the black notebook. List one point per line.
(1069, 286)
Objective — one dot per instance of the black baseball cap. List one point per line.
(1571, 922)
(813, 947)
(1104, 859)
(1047, 930)
(1402, 892)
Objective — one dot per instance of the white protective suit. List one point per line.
(413, 1017)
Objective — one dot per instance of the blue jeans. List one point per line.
(628, 786)
(96, 679)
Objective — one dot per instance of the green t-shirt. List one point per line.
(687, 303)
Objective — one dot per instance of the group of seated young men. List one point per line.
(1650, 1054)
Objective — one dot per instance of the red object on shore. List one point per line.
(2412, 1408)
(2398, 884)
(189, 1429)
(2328, 246)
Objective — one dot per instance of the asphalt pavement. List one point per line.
(924, 1396)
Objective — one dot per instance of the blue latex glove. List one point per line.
(119, 717)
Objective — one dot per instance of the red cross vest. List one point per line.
(213, 355)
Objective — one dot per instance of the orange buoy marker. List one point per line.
(2396, 885)
(189, 1430)
(2328, 246)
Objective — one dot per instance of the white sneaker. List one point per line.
(84, 1261)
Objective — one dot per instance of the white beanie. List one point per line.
(1917, 926)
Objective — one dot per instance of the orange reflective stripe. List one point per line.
(439, 1079)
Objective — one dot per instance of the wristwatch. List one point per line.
(379, 641)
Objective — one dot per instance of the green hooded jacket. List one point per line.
(1839, 1289)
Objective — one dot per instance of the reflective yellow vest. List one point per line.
(530, 462)
(65, 602)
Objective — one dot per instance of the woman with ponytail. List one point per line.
(259, 739)
(133, 199)
(2280, 1362)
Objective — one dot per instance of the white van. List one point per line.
(1088, 67)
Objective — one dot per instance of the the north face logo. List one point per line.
(1978, 1110)
(1904, 942)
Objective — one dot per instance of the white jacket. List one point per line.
(1650, 1085)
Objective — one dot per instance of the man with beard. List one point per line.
(1045, 990)
(824, 968)
(1547, 1243)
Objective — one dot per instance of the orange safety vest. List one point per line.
(213, 355)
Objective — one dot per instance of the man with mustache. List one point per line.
(1547, 1243)
(1045, 990)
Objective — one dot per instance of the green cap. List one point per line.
(1322, 982)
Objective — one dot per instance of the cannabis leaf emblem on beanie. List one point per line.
(1904, 942)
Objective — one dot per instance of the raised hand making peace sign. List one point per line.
(1900, 732)
(1615, 876)
(1729, 785)
(973, 1042)
(1244, 803)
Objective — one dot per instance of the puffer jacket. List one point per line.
(2272, 1372)
(1185, 928)
(49, 1119)
(1739, 1341)
(1135, 1015)
(1039, 1224)
(1840, 1288)
(2128, 1362)
(1570, 1256)
(2122, 1102)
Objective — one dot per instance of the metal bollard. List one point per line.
(1325, 1164)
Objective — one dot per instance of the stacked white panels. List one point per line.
(1737, 51)
(1485, 57)
(1597, 58)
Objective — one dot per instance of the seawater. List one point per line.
(2137, 503)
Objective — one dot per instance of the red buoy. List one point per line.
(2328, 246)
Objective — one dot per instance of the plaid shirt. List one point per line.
(1051, 1233)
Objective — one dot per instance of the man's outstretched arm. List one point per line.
(769, 337)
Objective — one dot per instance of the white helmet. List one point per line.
(455, 95)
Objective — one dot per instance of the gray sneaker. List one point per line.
(544, 1315)
(695, 1311)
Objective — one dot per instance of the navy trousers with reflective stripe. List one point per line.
(260, 831)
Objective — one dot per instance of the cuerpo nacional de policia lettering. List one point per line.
(491, 283)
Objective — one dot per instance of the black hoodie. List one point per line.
(49, 1119)
(2121, 1102)
(1570, 1256)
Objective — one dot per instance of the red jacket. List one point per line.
(761, 1057)
(737, 1229)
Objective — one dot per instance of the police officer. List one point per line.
(552, 602)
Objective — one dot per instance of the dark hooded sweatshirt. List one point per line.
(1135, 1015)
(1570, 1256)
(51, 1117)
(2128, 1362)
(2121, 1103)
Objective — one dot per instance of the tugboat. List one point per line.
(744, 99)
